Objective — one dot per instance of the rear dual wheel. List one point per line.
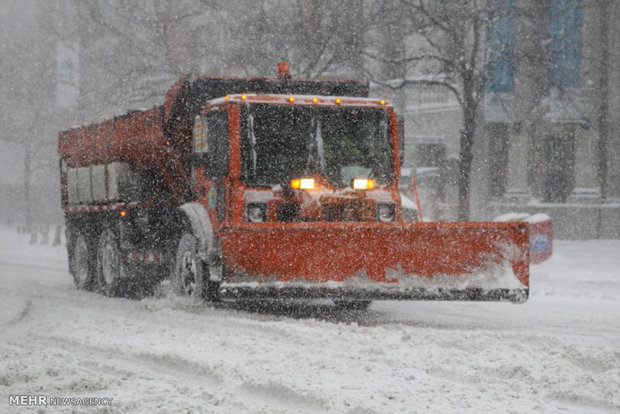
(111, 273)
(190, 275)
(97, 265)
(81, 262)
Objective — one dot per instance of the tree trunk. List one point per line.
(603, 111)
(466, 159)
(466, 153)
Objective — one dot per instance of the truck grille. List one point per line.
(347, 211)
(288, 212)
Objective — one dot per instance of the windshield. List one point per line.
(282, 142)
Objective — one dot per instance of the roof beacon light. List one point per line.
(284, 71)
(315, 99)
(291, 99)
(338, 101)
(382, 101)
(244, 97)
(363, 184)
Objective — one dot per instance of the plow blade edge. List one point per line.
(428, 261)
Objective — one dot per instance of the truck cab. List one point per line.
(297, 158)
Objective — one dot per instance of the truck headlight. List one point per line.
(363, 184)
(303, 183)
(386, 211)
(256, 212)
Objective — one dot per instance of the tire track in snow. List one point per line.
(13, 309)
(114, 358)
(236, 317)
(289, 399)
(202, 379)
(571, 400)
(21, 314)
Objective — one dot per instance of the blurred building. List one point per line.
(550, 141)
(548, 138)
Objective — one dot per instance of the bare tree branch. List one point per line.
(397, 84)
(454, 36)
(417, 58)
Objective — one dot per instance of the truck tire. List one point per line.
(81, 261)
(70, 246)
(189, 275)
(110, 272)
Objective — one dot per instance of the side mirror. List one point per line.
(200, 154)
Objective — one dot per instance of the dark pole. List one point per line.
(603, 109)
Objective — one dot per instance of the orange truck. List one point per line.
(257, 188)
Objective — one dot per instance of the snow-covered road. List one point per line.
(559, 352)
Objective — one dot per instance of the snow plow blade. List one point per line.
(424, 261)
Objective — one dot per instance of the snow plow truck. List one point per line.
(268, 188)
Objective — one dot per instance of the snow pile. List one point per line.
(530, 218)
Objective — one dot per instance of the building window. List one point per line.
(558, 166)
(565, 45)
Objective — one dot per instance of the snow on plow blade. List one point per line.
(426, 261)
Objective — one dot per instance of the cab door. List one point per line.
(211, 162)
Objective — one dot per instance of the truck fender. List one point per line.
(201, 228)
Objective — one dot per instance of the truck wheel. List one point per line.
(190, 276)
(70, 245)
(81, 262)
(110, 270)
(352, 304)
(187, 269)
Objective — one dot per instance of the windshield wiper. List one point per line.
(252, 139)
(316, 140)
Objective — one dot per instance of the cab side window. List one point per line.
(217, 136)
